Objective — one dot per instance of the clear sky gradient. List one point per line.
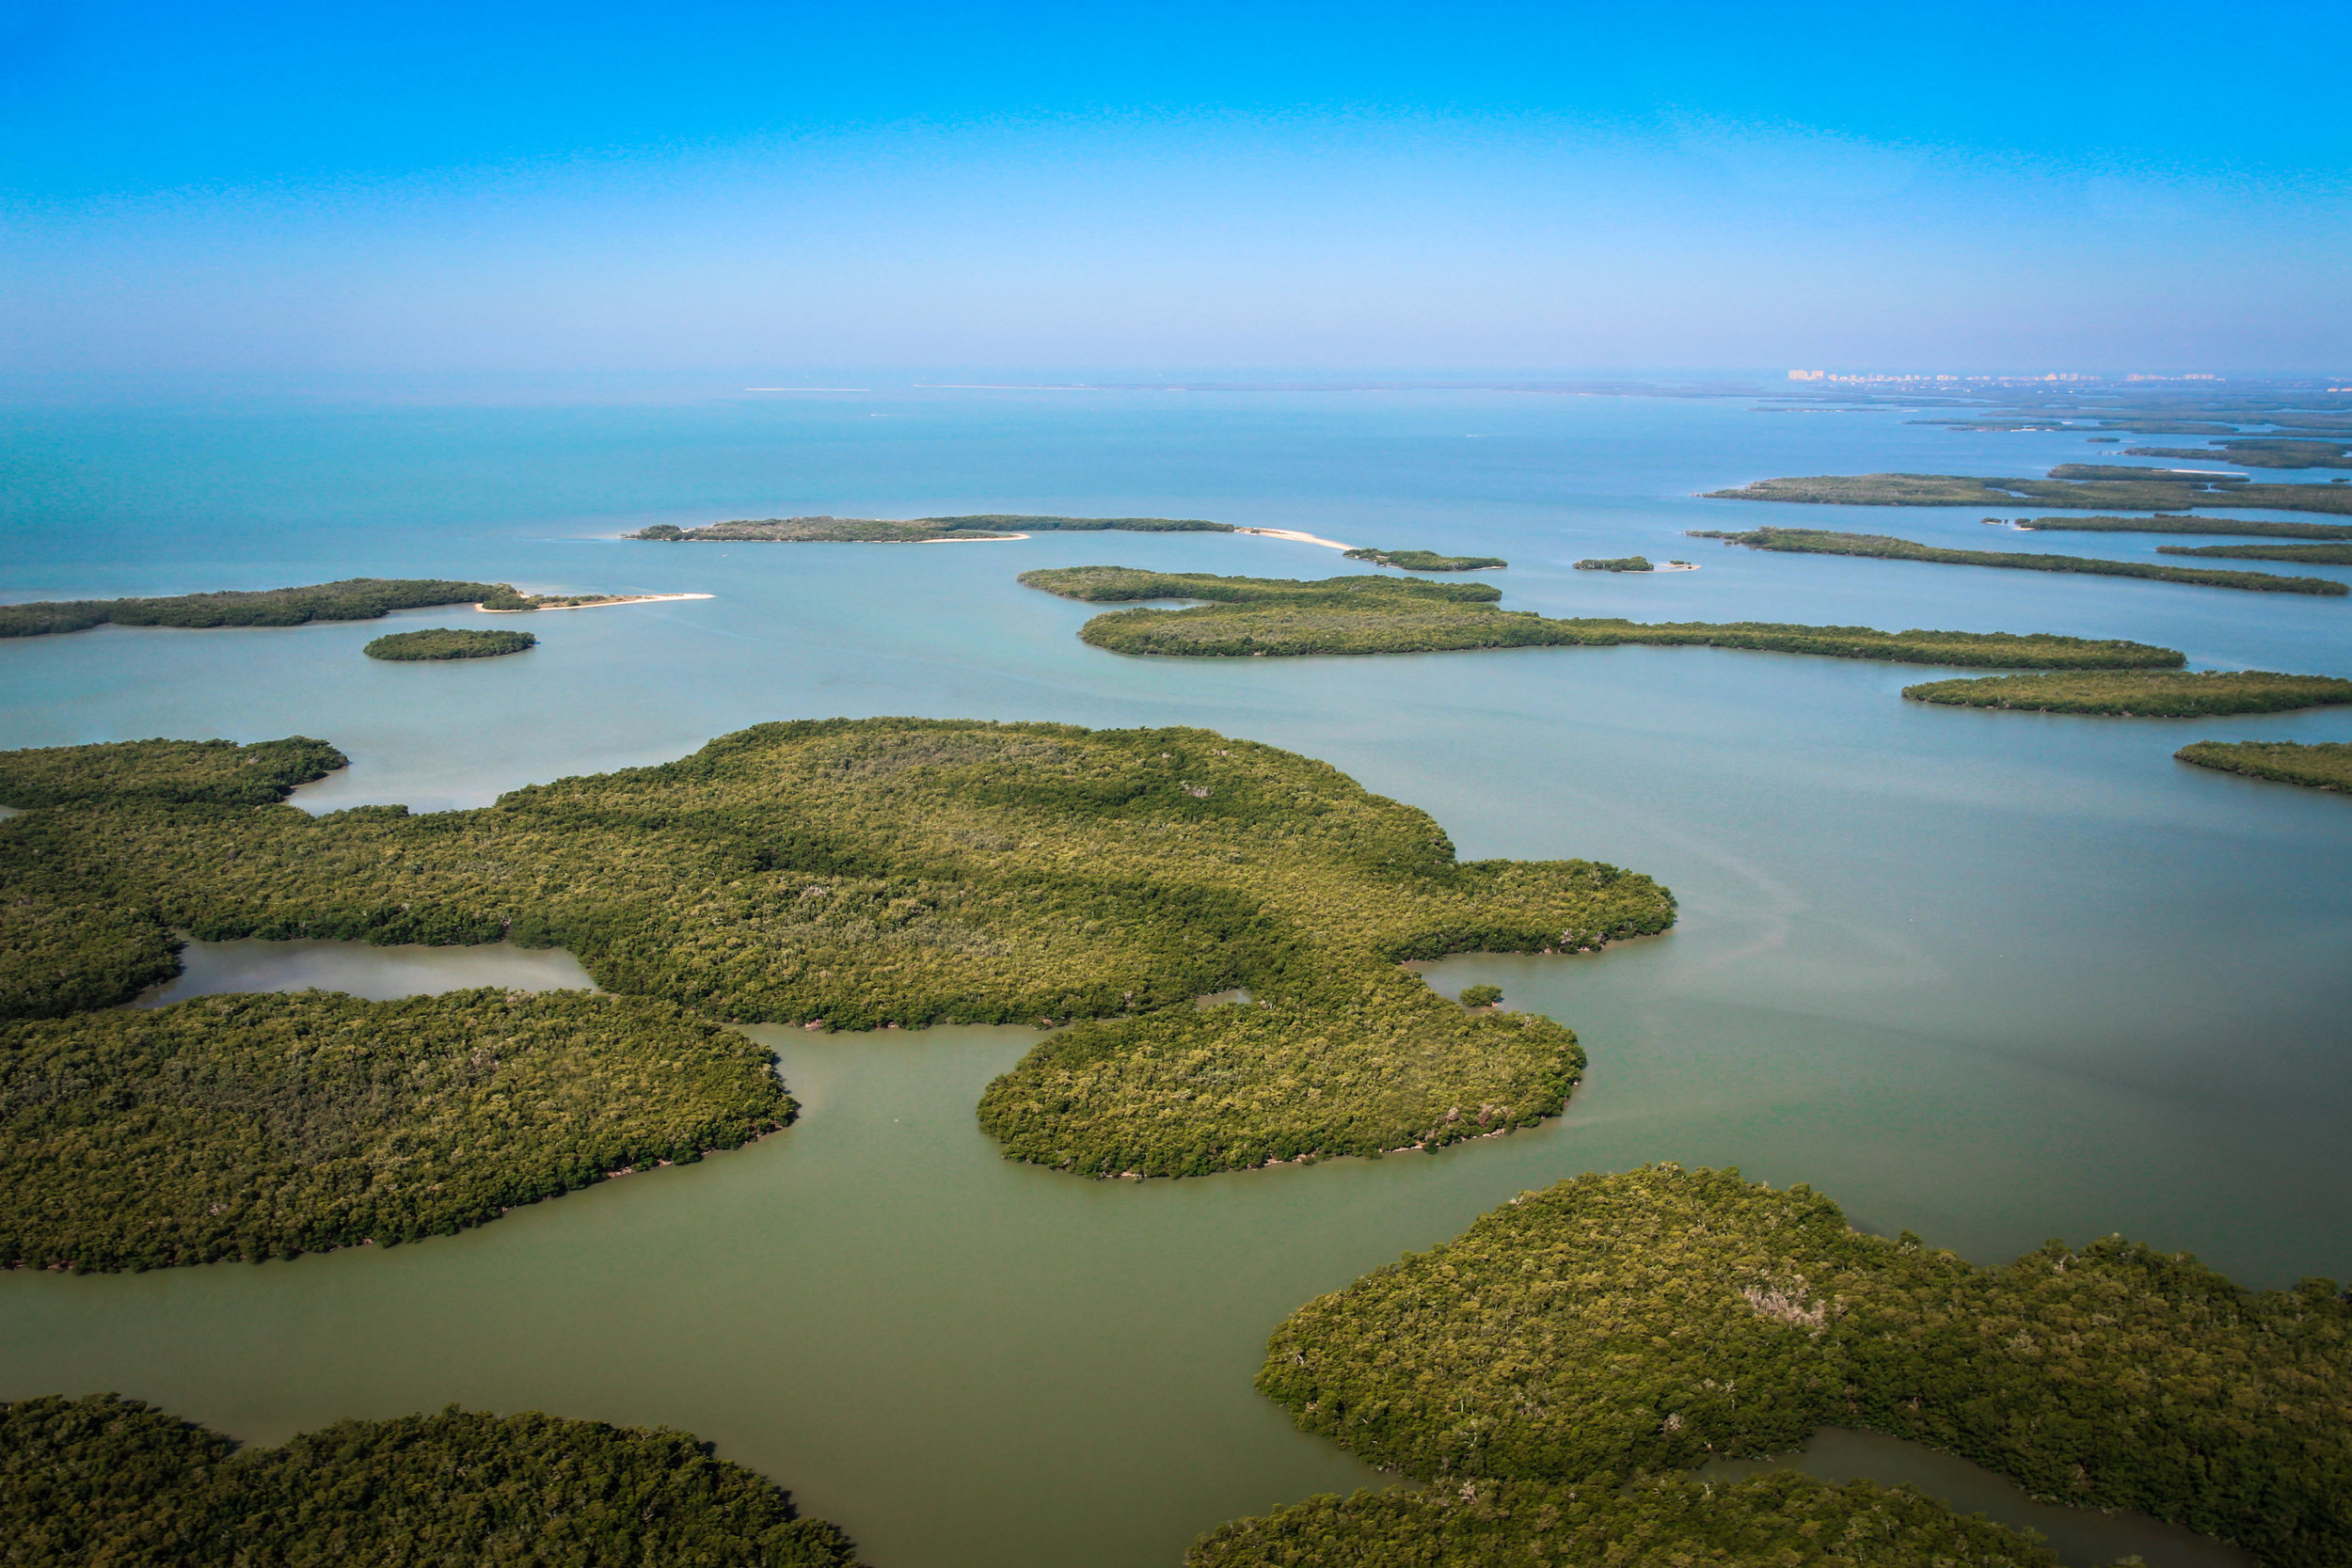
(268, 187)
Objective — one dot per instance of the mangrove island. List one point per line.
(442, 643)
(914, 530)
(1262, 617)
(2140, 693)
(1610, 1325)
(2087, 486)
(1428, 561)
(2315, 765)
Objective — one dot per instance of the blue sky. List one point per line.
(526, 187)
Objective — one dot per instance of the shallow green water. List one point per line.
(1994, 977)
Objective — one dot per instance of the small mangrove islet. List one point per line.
(2140, 693)
(854, 874)
(2089, 486)
(1610, 1325)
(1812, 541)
(1428, 561)
(914, 530)
(352, 599)
(1260, 617)
(1616, 563)
(110, 1481)
(2315, 765)
(440, 642)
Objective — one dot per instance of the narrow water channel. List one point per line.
(967, 1362)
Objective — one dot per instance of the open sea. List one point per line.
(1994, 977)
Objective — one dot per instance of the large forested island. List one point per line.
(113, 1482)
(2088, 486)
(1259, 617)
(913, 531)
(2140, 693)
(2318, 764)
(352, 599)
(1646, 1321)
(1673, 1521)
(850, 874)
(1813, 541)
(265, 1126)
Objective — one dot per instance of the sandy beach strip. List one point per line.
(600, 604)
(1293, 533)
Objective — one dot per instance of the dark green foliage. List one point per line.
(2084, 485)
(110, 1482)
(2317, 555)
(878, 531)
(1784, 1520)
(1481, 996)
(2187, 525)
(443, 643)
(1811, 541)
(906, 871)
(2140, 694)
(263, 1126)
(1648, 1320)
(352, 599)
(1427, 561)
(2321, 765)
(1258, 617)
(1616, 563)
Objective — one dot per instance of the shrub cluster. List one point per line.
(1257, 617)
(443, 643)
(2140, 694)
(1786, 1520)
(269, 1125)
(112, 1484)
(1650, 1320)
(872, 872)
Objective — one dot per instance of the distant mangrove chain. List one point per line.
(1810, 541)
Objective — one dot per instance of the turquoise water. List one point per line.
(1994, 977)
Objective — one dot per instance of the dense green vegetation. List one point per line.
(878, 531)
(2140, 694)
(2317, 555)
(1259, 617)
(2084, 485)
(1611, 1325)
(174, 772)
(1813, 541)
(352, 599)
(2260, 451)
(265, 1126)
(443, 643)
(1615, 563)
(113, 1483)
(1427, 561)
(1481, 996)
(2322, 765)
(2186, 525)
(1785, 1520)
(860, 873)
